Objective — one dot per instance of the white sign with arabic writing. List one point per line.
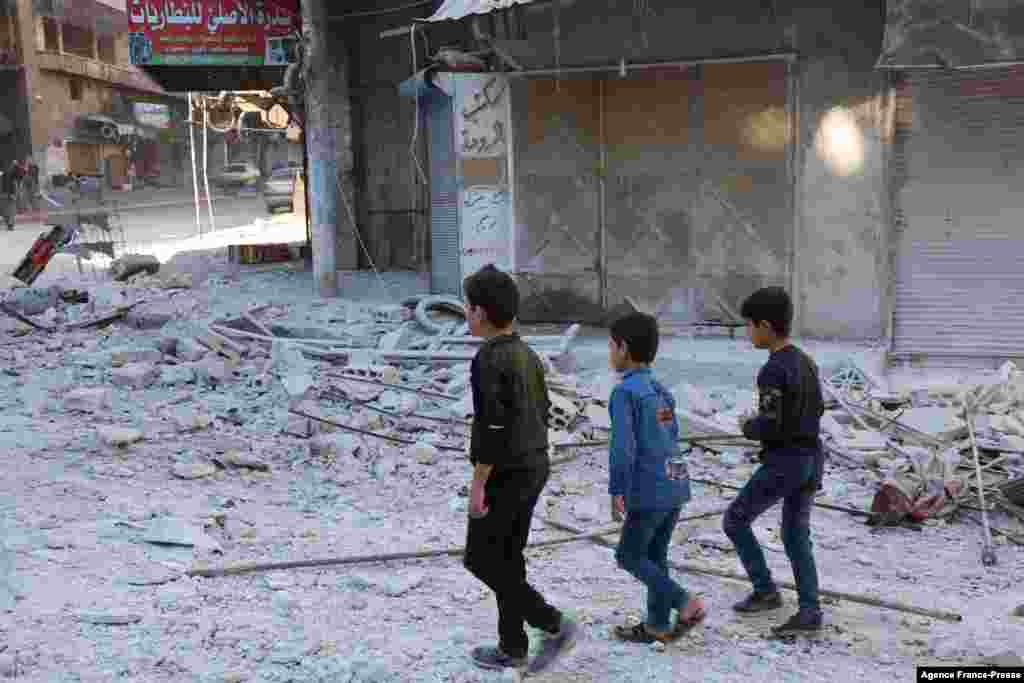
(485, 228)
(481, 116)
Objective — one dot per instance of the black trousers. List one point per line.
(494, 555)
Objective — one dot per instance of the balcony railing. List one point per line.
(124, 76)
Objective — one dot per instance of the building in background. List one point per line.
(78, 105)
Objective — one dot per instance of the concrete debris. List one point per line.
(109, 618)
(194, 471)
(336, 445)
(119, 437)
(152, 316)
(170, 531)
(188, 349)
(88, 399)
(132, 264)
(599, 416)
(243, 461)
(424, 453)
(135, 375)
(213, 371)
(692, 398)
(176, 375)
(124, 356)
(189, 420)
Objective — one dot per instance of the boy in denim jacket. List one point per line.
(648, 480)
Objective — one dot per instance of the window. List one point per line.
(51, 35)
(75, 87)
(106, 49)
(78, 40)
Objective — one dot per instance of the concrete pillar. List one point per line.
(33, 127)
(321, 147)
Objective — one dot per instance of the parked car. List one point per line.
(278, 190)
(237, 175)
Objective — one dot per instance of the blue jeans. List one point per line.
(792, 478)
(643, 552)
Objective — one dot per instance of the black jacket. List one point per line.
(511, 404)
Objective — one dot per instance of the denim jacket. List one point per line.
(641, 446)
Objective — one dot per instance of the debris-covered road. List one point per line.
(162, 443)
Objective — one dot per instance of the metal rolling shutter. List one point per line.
(959, 195)
(445, 260)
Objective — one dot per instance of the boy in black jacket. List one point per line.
(509, 452)
(787, 424)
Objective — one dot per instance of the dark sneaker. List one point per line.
(492, 658)
(759, 602)
(554, 645)
(804, 621)
(639, 633)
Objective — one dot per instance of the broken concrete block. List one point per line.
(424, 453)
(124, 356)
(151, 317)
(298, 386)
(188, 349)
(241, 460)
(392, 313)
(599, 416)
(941, 422)
(88, 399)
(176, 375)
(693, 399)
(132, 264)
(212, 371)
(118, 437)
(196, 471)
(135, 375)
(865, 441)
(300, 426)
(398, 339)
(563, 411)
(167, 345)
(189, 420)
(335, 445)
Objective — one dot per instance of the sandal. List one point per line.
(638, 633)
(683, 626)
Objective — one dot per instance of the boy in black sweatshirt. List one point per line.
(787, 424)
(509, 452)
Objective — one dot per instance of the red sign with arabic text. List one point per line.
(213, 32)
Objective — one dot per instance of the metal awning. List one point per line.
(453, 10)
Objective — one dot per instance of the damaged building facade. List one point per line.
(677, 158)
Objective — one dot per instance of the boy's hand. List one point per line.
(664, 416)
(477, 506)
(618, 508)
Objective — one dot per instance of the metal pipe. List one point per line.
(602, 209)
(769, 57)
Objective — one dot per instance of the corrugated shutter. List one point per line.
(958, 196)
(445, 265)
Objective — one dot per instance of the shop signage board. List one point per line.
(213, 32)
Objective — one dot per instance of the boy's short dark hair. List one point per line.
(771, 305)
(495, 292)
(639, 332)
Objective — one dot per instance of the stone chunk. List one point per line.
(135, 375)
(174, 375)
(188, 349)
(124, 356)
(88, 399)
(118, 437)
(196, 471)
(151, 317)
